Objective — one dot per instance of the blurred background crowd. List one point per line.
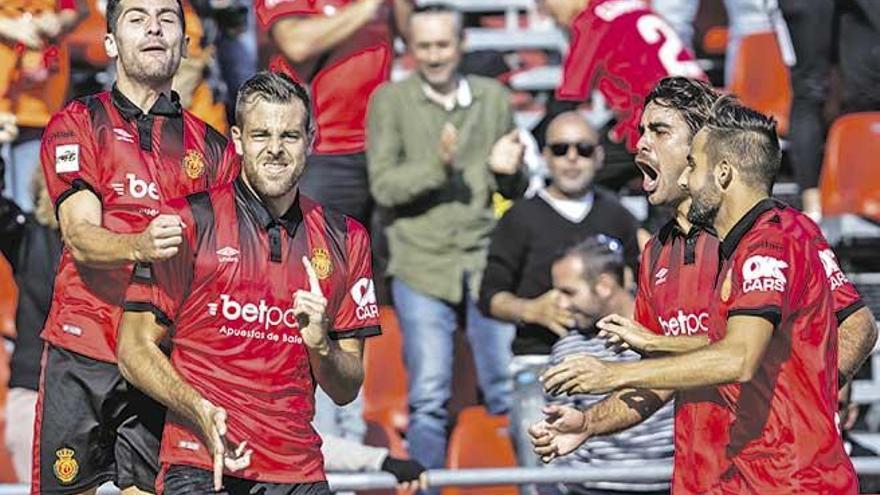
(495, 104)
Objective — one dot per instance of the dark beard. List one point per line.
(703, 213)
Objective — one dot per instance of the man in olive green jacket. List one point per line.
(438, 146)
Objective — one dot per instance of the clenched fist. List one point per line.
(160, 240)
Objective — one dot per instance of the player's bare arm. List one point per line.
(302, 38)
(735, 358)
(564, 428)
(91, 244)
(856, 337)
(623, 334)
(402, 10)
(337, 365)
(143, 363)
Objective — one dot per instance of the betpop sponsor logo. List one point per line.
(260, 313)
(684, 324)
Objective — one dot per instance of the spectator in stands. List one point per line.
(31, 243)
(589, 279)
(343, 51)
(34, 75)
(813, 31)
(342, 430)
(744, 17)
(517, 287)
(620, 48)
(439, 145)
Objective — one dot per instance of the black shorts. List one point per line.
(92, 427)
(188, 480)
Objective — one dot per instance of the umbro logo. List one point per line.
(227, 254)
(660, 276)
(123, 135)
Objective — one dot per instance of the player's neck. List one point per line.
(734, 207)
(681, 216)
(142, 95)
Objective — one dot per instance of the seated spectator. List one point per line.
(31, 243)
(342, 430)
(439, 145)
(589, 278)
(517, 286)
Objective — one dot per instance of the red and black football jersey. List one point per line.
(676, 283)
(133, 162)
(228, 298)
(783, 435)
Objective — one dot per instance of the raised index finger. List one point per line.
(314, 285)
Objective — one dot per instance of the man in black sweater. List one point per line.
(517, 285)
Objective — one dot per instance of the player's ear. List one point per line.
(110, 45)
(724, 174)
(235, 131)
(605, 286)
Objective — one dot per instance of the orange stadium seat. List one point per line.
(385, 375)
(761, 79)
(8, 298)
(86, 42)
(480, 440)
(850, 175)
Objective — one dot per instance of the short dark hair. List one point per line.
(600, 254)
(441, 8)
(114, 10)
(273, 87)
(692, 98)
(746, 138)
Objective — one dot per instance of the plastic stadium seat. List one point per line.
(480, 440)
(850, 180)
(8, 298)
(385, 375)
(761, 79)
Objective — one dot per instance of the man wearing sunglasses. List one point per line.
(517, 285)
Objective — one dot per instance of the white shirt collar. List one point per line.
(574, 210)
(462, 97)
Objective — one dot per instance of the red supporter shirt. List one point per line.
(228, 295)
(622, 48)
(133, 162)
(341, 83)
(676, 282)
(783, 438)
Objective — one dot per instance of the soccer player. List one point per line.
(269, 296)
(622, 49)
(110, 159)
(677, 273)
(772, 329)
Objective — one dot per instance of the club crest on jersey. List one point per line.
(321, 263)
(193, 164)
(764, 273)
(66, 468)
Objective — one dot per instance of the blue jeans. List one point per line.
(428, 326)
(22, 161)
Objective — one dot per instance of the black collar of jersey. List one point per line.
(256, 209)
(164, 106)
(672, 229)
(745, 224)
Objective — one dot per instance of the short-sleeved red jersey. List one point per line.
(132, 162)
(622, 48)
(783, 437)
(676, 281)
(228, 295)
(342, 81)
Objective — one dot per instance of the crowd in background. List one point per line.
(431, 163)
